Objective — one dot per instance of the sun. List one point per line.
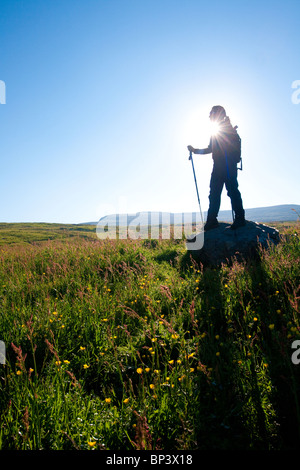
(214, 128)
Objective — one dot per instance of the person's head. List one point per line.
(217, 113)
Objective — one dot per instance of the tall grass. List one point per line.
(126, 345)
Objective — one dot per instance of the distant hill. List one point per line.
(280, 213)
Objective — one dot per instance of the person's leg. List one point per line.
(216, 186)
(233, 192)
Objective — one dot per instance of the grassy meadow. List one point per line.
(124, 345)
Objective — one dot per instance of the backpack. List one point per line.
(228, 143)
(235, 146)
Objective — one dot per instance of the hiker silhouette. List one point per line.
(224, 146)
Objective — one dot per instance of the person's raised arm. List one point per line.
(200, 151)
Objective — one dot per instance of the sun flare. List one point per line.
(214, 128)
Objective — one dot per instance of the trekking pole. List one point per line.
(191, 158)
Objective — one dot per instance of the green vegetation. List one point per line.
(123, 345)
(33, 233)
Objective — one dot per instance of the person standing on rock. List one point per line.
(225, 157)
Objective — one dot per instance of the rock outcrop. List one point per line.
(222, 245)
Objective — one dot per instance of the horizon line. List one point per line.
(153, 211)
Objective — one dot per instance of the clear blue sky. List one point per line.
(103, 97)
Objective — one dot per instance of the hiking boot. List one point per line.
(238, 222)
(210, 224)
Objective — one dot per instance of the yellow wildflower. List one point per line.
(92, 443)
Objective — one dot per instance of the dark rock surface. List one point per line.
(222, 245)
